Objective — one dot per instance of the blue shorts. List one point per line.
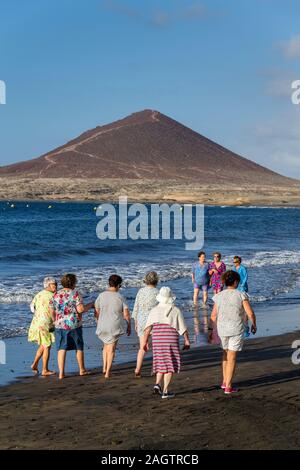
(69, 340)
(203, 287)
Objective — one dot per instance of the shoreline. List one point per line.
(199, 417)
(272, 322)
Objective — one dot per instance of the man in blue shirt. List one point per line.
(243, 284)
(239, 268)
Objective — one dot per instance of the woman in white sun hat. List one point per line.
(166, 323)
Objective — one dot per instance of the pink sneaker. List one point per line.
(230, 390)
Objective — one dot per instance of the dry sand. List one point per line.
(122, 413)
(61, 189)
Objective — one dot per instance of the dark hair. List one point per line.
(201, 253)
(217, 253)
(230, 277)
(115, 280)
(69, 281)
(237, 258)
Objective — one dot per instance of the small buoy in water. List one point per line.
(12, 205)
(49, 207)
(27, 205)
(95, 208)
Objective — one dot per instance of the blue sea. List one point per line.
(42, 238)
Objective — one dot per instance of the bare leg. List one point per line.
(46, 356)
(111, 348)
(140, 357)
(80, 360)
(196, 294)
(61, 359)
(230, 369)
(205, 297)
(224, 365)
(104, 356)
(167, 380)
(159, 377)
(34, 365)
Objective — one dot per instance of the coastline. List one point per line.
(45, 413)
(147, 191)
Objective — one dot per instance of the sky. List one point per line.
(222, 67)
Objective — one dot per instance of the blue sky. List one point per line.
(221, 67)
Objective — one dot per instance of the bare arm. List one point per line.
(81, 308)
(126, 315)
(186, 340)
(52, 312)
(213, 317)
(97, 313)
(250, 314)
(147, 332)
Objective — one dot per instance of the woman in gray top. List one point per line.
(111, 310)
(144, 302)
(228, 314)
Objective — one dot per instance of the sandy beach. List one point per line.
(122, 413)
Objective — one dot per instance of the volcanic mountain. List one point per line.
(145, 145)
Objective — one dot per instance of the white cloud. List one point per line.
(162, 17)
(276, 143)
(291, 48)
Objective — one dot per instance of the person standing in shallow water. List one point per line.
(41, 330)
(67, 310)
(200, 278)
(144, 302)
(228, 315)
(216, 269)
(242, 270)
(110, 311)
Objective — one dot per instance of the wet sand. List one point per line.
(122, 413)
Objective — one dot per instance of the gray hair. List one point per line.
(49, 280)
(151, 278)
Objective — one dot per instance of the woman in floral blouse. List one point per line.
(144, 302)
(41, 328)
(67, 310)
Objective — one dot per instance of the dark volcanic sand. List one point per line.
(122, 413)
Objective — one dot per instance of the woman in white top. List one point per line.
(228, 314)
(166, 323)
(144, 302)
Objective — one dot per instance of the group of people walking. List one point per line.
(58, 318)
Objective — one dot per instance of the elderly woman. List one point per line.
(166, 323)
(67, 310)
(216, 269)
(110, 311)
(228, 315)
(41, 328)
(144, 302)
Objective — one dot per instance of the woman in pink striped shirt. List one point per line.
(166, 323)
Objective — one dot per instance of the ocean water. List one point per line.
(37, 240)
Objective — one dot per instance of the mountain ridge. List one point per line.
(144, 145)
